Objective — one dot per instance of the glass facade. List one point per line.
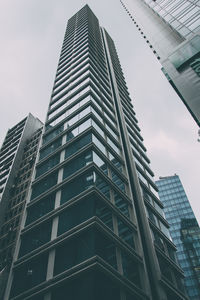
(182, 15)
(86, 223)
(171, 28)
(184, 230)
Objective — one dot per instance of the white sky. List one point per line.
(31, 35)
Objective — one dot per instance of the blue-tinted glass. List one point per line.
(106, 249)
(114, 147)
(51, 148)
(77, 163)
(104, 214)
(76, 146)
(115, 162)
(76, 214)
(74, 251)
(44, 184)
(29, 275)
(40, 209)
(100, 163)
(102, 186)
(118, 181)
(130, 269)
(125, 233)
(36, 238)
(53, 134)
(48, 165)
(72, 133)
(76, 186)
(121, 204)
(100, 146)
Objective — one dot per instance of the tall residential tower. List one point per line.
(17, 157)
(172, 29)
(184, 229)
(93, 226)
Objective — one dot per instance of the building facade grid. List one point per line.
(184, 231)
(93, 217)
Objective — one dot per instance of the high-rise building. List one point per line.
(172, 29)
(184, 229)
(93, 226)
(17, 157)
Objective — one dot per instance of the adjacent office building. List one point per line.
(184, 229)
(172, 29)
(17, 157)
(93, 226)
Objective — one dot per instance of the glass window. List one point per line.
(115, 162)
(165, 230)
(186, 52)
(40, 209)
(165, 269)
(82, 247)
(76, 214)
(47, 165)
(51, 148)
(77, 163)
(100, 163)
(104, 214)
(74, 251)
(102, 186)
(80, 128)
(130, 269)
(76, 146)
(98, 129)
(121, 204)
(118, 181)
(29, 275)
(99, 145)
(53, 134)
(158, 240)
(44, 184)
(105, 249)
(35, 238)
(75, 187)
(125, 233)
(114, 147)
(111, 131)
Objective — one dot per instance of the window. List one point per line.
(76, 214)
(118, 181)
(93, 285)
(130, 269)
(76, 146)
(77, 163)
(102, 185)
(48, 165)
(75, 187)
(35, 238)
(40, 209)
(29, 275)
(121, 204)
(125, 233)
(83, 246)
(53, 134)
(104, 214)
(44, 184)
(74, 251)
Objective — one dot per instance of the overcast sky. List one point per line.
(31, 37)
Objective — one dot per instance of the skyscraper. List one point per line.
(93, 226)
(172, 29)
(184, 229)
(17, 157)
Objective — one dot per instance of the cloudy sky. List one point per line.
(31, 37)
